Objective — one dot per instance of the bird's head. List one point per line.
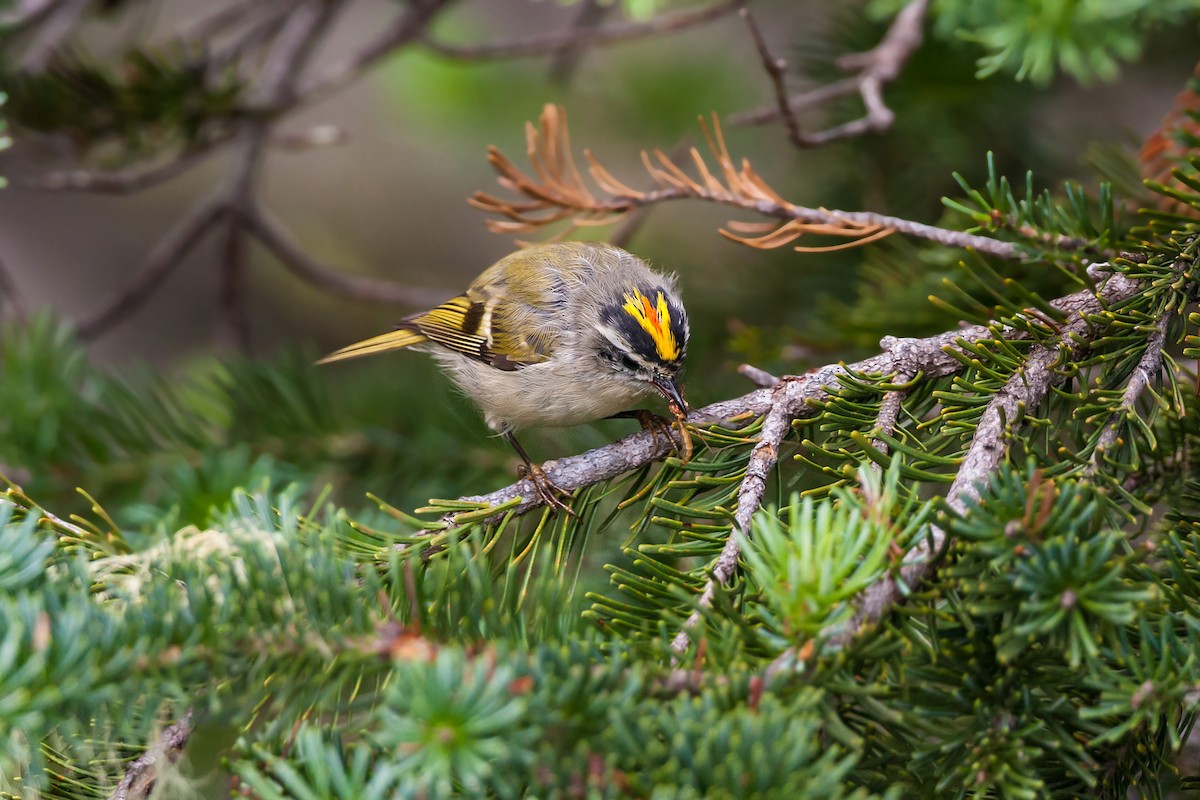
(642, 334)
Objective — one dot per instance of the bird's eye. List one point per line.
(629, 364)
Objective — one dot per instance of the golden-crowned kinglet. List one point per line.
(553, 335)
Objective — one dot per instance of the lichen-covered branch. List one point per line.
(989, 445)
(794, 397)
(795, 394)
(759, 377)
(749, 499)
(1025, 390)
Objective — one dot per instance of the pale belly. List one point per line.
(540, 395)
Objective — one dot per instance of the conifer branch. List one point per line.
(1024, 391)
(128, 181)
(877, 67)
(989, 445)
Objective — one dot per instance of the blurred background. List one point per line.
(387, 200)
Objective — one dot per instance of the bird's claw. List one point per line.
(547, 491)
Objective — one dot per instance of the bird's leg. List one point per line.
(549, 494)
(661, 426)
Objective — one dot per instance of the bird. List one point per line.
(555, 335)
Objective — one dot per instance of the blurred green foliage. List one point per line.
(1034, 40)
(333, 645)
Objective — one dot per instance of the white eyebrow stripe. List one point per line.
(615, 338)
(618, 340)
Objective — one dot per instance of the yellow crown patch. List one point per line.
(655, 319)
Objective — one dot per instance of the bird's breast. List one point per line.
(546, 395)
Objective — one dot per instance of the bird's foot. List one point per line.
(547, 491)
(657, 425)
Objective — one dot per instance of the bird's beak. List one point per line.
(670, 390)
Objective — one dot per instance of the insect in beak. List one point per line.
(670, 390)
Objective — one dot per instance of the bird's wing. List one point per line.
(511, 316)
(471, 324)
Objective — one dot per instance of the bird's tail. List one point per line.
(393, 340)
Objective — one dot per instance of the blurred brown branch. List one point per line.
(875, 68)
(588, 36)
(9, 294)
(273, 44)
(557, 192)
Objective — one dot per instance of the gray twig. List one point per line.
(1147, 367)
(203, 28)
(750, 495)
(235, 199)
(876, 68)
(885, 420)
(567, 58)
(280, 75)
(409, 26)
(759, 377)
(25, 13)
